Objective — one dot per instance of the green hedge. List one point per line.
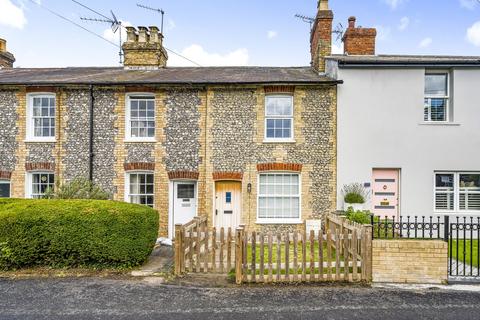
(75, 233)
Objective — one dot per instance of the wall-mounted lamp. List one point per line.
(249, 188)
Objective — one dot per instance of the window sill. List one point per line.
(279, 221)
(438, 123)
(36, 140)
(279, 141)
(129, 140)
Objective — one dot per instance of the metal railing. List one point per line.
(407, 227)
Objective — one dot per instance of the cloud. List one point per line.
(473, 34)
(109, 35)
(12, 15)
(425, 43)
(404, 23)
(272, 34)
(196, 53)
(170, 25)
(394, 4)
(468, 4)
(383, 33)
(337, 49)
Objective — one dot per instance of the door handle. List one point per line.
(216, 212)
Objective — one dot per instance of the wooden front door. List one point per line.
(385, 189)
(227, 204)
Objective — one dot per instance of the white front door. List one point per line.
(227, 204)
(184, 204)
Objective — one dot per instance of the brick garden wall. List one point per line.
(410, 261)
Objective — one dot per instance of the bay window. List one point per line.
(279, 198)
(457, 191)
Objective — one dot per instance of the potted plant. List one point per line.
(354, 196)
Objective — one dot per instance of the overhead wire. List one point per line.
(96, 34)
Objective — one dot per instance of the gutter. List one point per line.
(113, 83)
(407, 65)
(90, 138)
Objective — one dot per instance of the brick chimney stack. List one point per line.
(6, 58)
(144, 49)
(321, 36)
(359, 41)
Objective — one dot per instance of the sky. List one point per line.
(232, 32)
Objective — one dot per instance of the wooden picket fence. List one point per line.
(341, 251)
(202, 250)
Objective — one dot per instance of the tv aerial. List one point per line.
(306, 19)
(158, 10)
(115, 24)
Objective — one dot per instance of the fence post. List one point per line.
(446, 227)
(239, 255)
(368, 252)
(178, 249)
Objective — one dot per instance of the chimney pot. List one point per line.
(6, 58)
(358, 40)
(131, 34)
(351, 22)
(143, 49)
(323, 4)
(142, 34)
(154, 35)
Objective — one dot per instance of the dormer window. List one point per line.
(436, 97)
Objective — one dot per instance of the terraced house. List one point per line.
(240, 145)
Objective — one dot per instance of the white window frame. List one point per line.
(128, 134)
(456, 192)
(29, 182)
(297, 220)
(30, 136)
(127, 185)
(9, 182)
(447, 98)
(291, 117)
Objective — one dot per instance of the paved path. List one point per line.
(93, 298)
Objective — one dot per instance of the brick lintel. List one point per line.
(222, 175)
(132, 166)
(187, 175)
(295, 167)
(34, 166)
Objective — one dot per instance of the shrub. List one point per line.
(75, 233)
(79, 188)
(354, 193)
(354, 198)
(362, 217)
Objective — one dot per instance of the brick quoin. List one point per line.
(5, 175)
(29, 166)
(296, 167)
(190, 175)
(227, 176)
(139, 166)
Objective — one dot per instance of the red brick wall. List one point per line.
(321, 39)
(360, 41)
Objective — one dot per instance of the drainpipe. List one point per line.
(91, 155)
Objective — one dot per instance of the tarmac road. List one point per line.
(99, 298)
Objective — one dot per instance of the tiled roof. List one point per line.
(174, 75)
